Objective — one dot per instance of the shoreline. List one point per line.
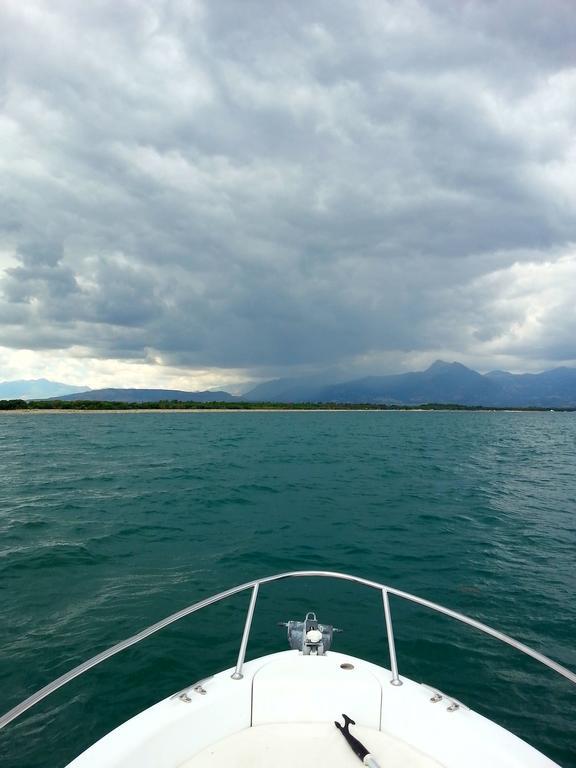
(34, 411)
(25, 411)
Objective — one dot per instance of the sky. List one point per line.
(203, 194)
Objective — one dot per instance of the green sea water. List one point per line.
(109, 522)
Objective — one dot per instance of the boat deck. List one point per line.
(307, 745)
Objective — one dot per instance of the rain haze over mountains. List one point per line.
(212, 195)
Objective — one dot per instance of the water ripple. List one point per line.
(110, 522)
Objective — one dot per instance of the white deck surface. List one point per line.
(306, 745)
(281, 714)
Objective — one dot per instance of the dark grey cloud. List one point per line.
(265, 185)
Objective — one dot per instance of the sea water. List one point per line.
(109, 522)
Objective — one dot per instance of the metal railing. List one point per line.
(386, 591)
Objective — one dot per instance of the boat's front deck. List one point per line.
(281, 713)
(306, 745)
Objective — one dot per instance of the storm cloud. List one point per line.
(263, 187)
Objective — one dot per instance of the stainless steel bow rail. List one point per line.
(255, 586)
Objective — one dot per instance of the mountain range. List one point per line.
(441, 383)
(447, 383)
(150, 396)
(36, 389)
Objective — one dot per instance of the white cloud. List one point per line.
(75, 366)
(521, 316)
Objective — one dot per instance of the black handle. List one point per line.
(356, 746)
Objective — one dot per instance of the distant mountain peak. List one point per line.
(442, 365)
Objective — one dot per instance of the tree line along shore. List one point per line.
(180, 405)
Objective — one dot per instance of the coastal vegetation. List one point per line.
(180, 405)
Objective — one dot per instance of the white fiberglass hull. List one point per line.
(282, 713)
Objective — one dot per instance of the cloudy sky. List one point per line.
(196, 194)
